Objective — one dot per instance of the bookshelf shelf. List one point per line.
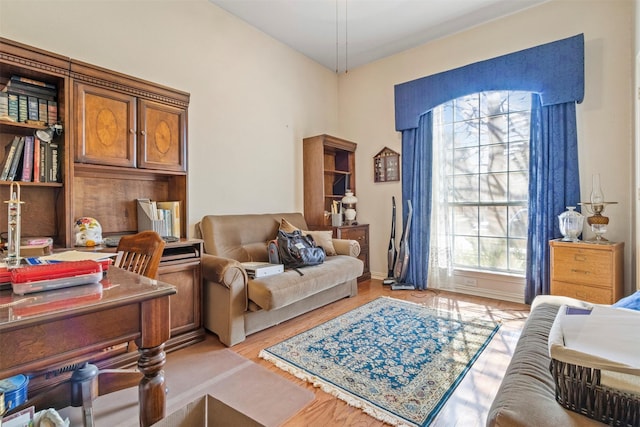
(33, 184)
(7, 125)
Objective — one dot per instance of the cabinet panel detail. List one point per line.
(106, 127)
(162, 137)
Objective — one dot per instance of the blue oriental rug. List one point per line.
(396, 360)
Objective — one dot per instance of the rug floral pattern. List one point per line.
(399, 361)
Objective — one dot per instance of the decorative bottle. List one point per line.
(571, 223)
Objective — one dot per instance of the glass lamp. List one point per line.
(595, 207)
(349, 207)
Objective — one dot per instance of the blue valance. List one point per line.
(554, 70)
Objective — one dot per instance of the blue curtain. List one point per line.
(554, 184)
(555, 72)
(416, 186)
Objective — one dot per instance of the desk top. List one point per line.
(118, 287)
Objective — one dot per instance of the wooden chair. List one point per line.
(140, 253)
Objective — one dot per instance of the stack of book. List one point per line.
(28, 100)
(29, 159)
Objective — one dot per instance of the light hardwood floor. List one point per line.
(467, 407)
(470, 402)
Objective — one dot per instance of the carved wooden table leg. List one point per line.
(155, 332)
(152, 388)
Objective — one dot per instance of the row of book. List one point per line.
(27, 100)
(30, 159)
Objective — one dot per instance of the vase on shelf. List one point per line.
(349, 207)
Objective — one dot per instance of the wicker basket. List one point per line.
(578, 389)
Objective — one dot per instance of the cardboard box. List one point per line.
(207, 411)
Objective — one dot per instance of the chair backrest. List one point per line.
(140, 253)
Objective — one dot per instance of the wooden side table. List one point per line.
(360, 233)
(591, 272)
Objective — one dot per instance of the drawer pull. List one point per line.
(579, 257)
(573, 270)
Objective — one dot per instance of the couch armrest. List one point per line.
(347, 247)
(225, 298)
(225, 271)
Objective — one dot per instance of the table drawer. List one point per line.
(586, 293)
(582, 266)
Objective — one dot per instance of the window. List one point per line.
(481, 142)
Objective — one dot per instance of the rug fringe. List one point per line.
(349, 399)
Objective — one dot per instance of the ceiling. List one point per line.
(344, 34)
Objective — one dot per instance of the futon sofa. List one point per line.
(235, 305)
(526, 397)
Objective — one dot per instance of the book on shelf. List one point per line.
(32, 108)
(29, 100)
(43, 160)
(31, 82)
(19, 85)
(12, 101)
(27, 92)
(164, 216)
(36, 159)
(23, 108)
(10, 151)
(15, 161)
(43, 110)
(173, 207)
(53, 162)
(27, 159)
(52, 112)
(4, 105)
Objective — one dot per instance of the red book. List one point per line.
(36, 160)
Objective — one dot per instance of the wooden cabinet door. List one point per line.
(162, 143)
(105, 126)
(186, 313)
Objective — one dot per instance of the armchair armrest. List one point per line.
(347, 247)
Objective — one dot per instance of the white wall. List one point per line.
(252, 98)
(605, 134)
(636, 50)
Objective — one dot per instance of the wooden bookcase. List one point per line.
(329, 170)
(123, 138)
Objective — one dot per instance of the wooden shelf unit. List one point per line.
(329, 170)
(123, 138)
(588, 271)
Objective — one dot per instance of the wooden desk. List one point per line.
(130, 307)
